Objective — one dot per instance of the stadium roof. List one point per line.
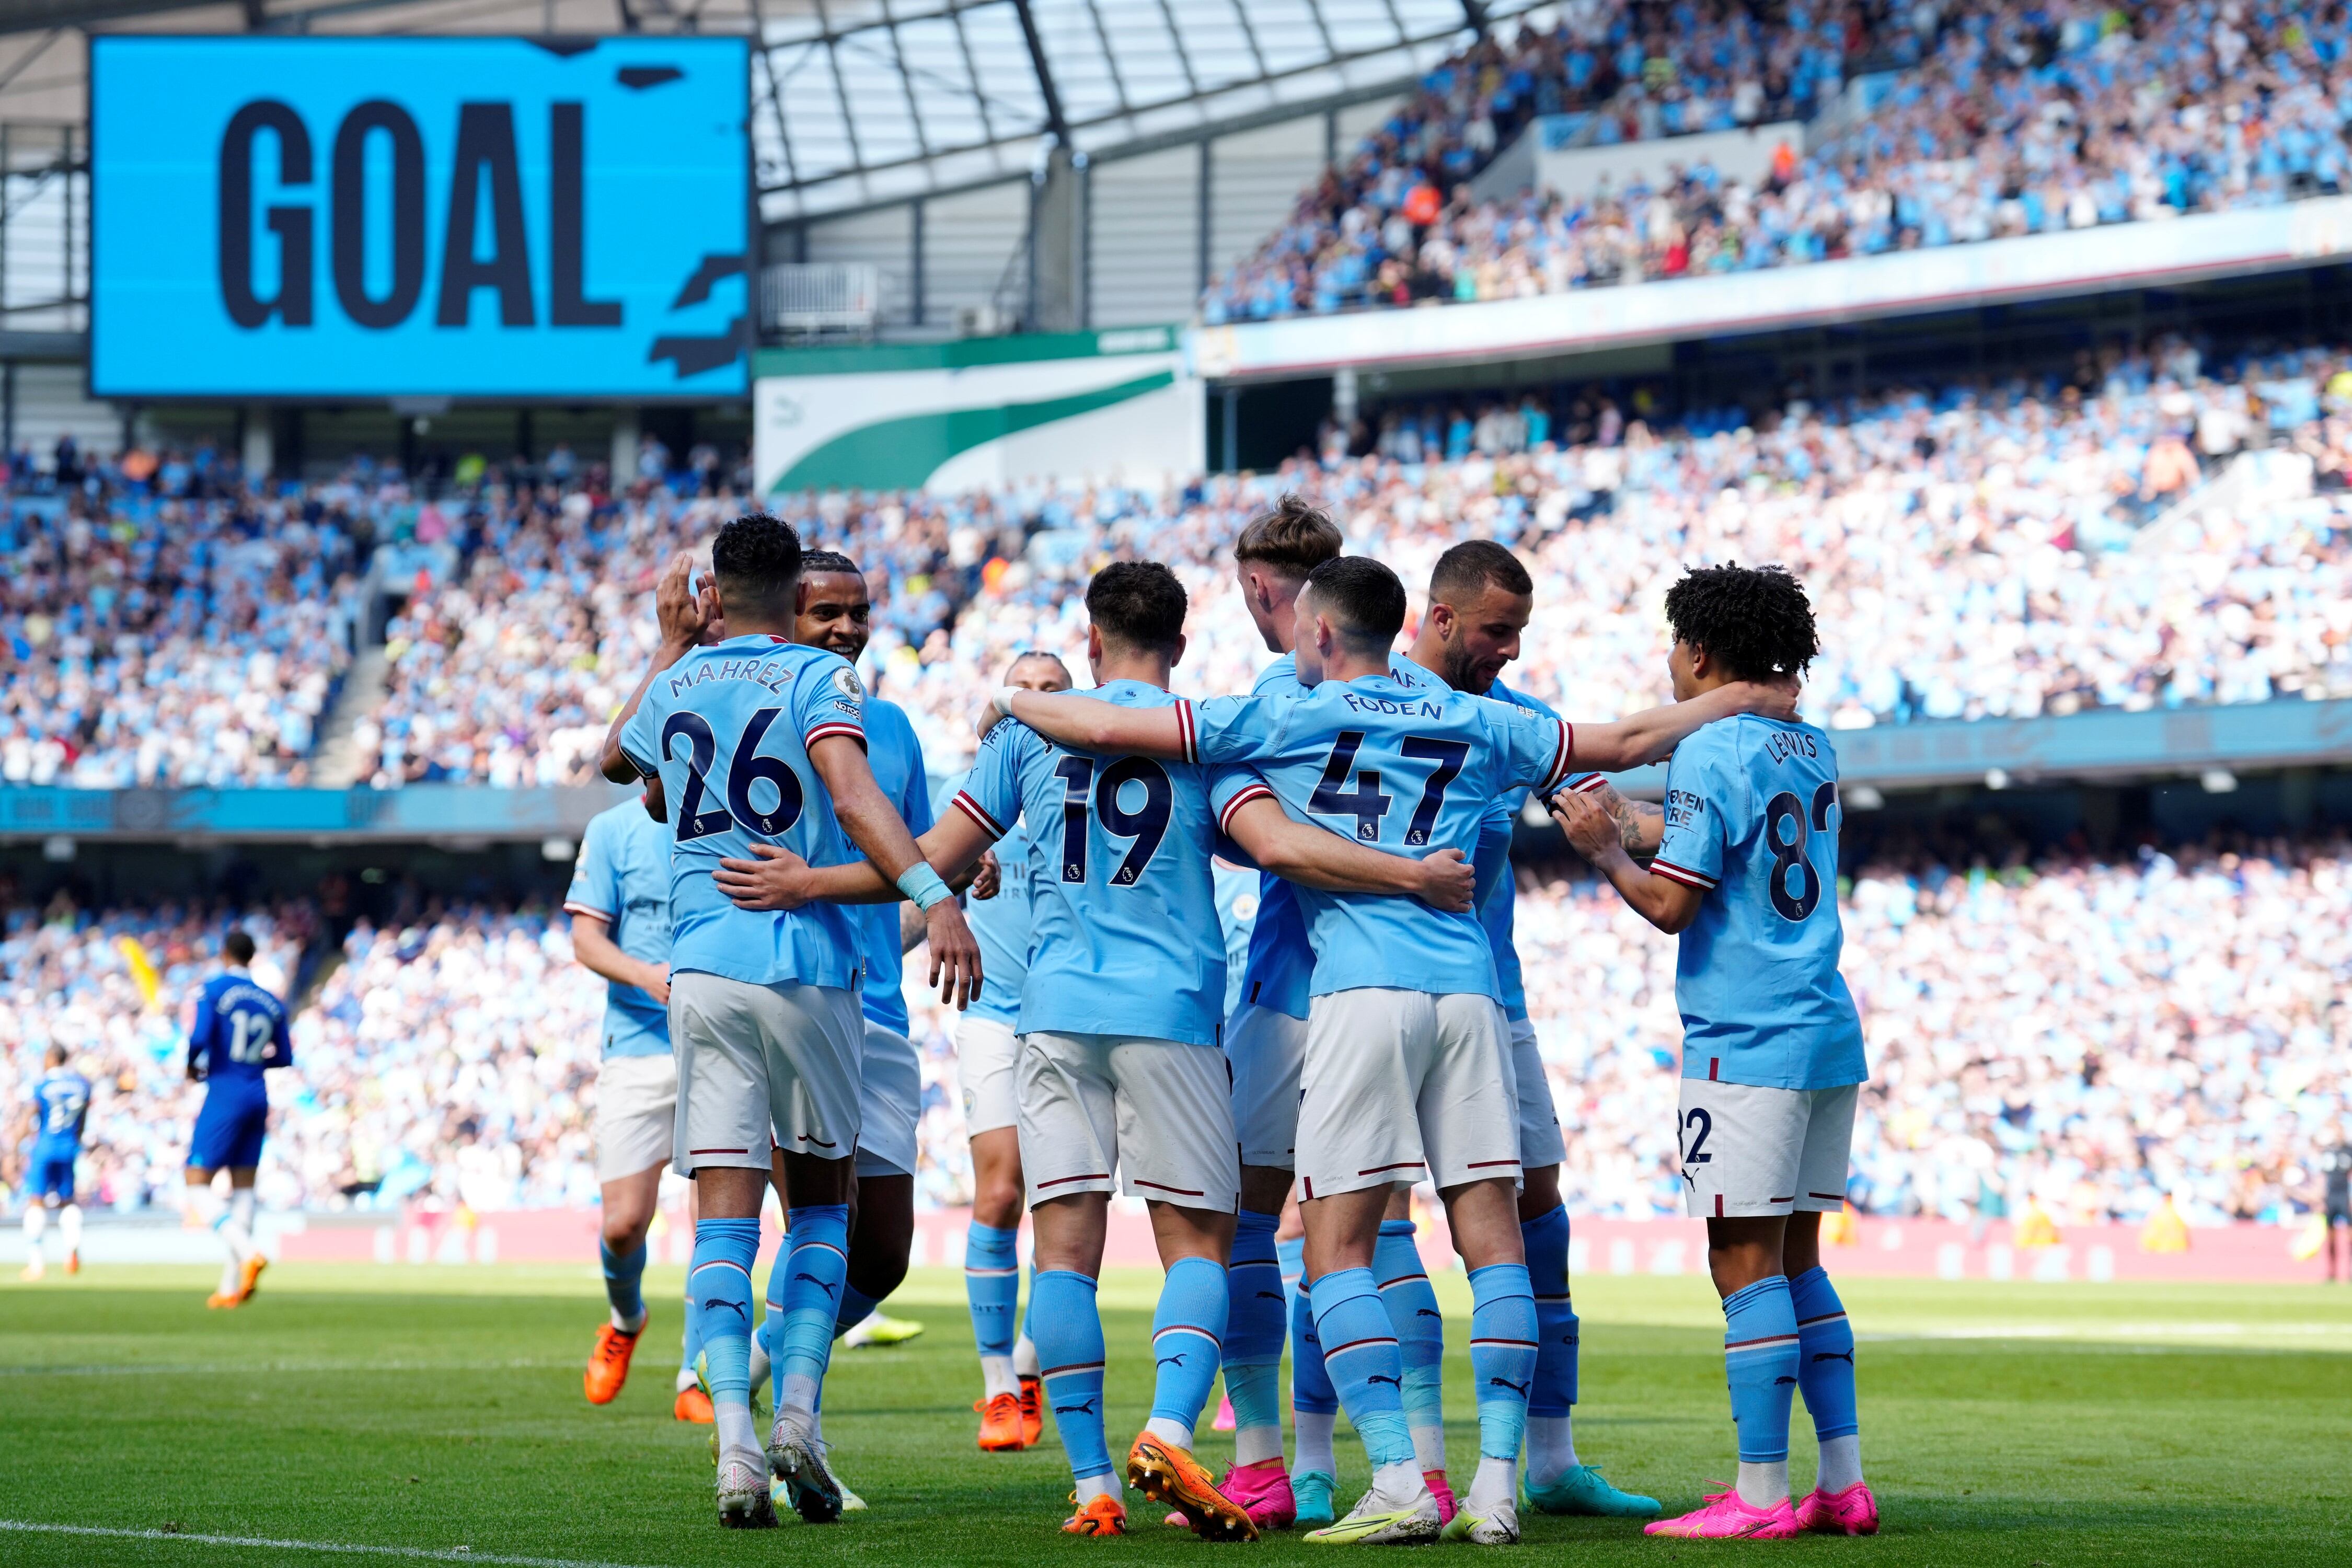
(863, 101)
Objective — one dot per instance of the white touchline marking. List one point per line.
(427, 1553)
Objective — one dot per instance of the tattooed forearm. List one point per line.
(1640, 825)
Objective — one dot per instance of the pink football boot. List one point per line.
(1446, 1506)
(1261, 1489)
(1726, 1517)
(1852, 1512)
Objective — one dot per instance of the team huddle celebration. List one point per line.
(753, 911)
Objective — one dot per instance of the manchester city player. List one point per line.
(1406, 1052)
(1772, 1050)
(57, 1106)
(1122, 1084)
(240, 1034)
(619, 904)
(1480, 600)
(988, 1056)
(1266, 1042)
(759, 740)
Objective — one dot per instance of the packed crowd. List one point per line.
(1971, 552)
(2015, 118)
(2095, 1036)
(169, 636)
(2092, 1037)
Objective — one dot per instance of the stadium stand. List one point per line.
(2014, 120)
(2093, 1036)
(1975, 552)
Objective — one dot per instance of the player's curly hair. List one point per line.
(757, 561)
(1753, 620)
(1139, 605)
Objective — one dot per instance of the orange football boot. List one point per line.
(608, 1364)
(249, 1278)
(1000, 1424)
(1104, 1515)
(73, 1262)
(1169, 1475)
(220, 1299)
(691, 1404)
(1032, 1411)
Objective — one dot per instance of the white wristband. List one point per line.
(1003, 700)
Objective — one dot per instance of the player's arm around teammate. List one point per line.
(1773, 1044)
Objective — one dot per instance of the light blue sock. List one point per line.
(1411, 1303)
(625, 1274)
(720, 1281)
(856, 1306)
(1557, 1329)
(1360, 1351)
(690, 1340)
(771, 1319)
(815, 1261)
(992, 1285)
(1254, 1330)
(1067, 1329)
(1187, 1329)
(1292, 1255)
(1502, 1356)
(1826, 1356)
(1311, 1380)
(1760, 1362)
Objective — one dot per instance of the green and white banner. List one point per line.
(976, 413)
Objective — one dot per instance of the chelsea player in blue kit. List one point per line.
(1480, 601)
(1772, 1049)
(1405, 1054)
(1122, 1083)
(60, 1104)
(240, 1034)
(757, 739)
(619, 905)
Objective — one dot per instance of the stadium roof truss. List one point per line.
(865, 101)
(861, 103)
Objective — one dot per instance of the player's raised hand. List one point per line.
(683, 612)
(1591, 829)
(775, 881)
(955, 954)
(1447, 881)
(988, 876)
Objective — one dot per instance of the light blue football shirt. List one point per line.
(1281, 966)
(727, 728)
(897, 758)
(1752, 816)
(1124, 935)
(1406, 769)
(1000, 926)
(621, 878)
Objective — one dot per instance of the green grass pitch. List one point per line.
(439, 1410)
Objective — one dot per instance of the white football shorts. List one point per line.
(890, 1102)
(988, 1065)
(1748, 1149)
(1267, 1051)
(1402, 1086)
(637, 1114)
(751, 1057)
(1540, 1142)
(1153, 1119)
